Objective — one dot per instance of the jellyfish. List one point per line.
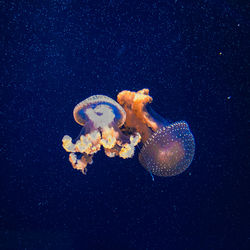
(168, 148)
(101, 119)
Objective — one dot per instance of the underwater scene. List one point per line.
(124, 124)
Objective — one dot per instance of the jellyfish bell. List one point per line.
(100, 111)
(168, 149)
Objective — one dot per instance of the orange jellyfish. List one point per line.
(101, 118)
(168, 149)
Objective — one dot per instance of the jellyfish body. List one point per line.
(168, 149)
(101, 118)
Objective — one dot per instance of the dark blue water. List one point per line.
(193, 57)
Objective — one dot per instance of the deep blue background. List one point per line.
(193, 57)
